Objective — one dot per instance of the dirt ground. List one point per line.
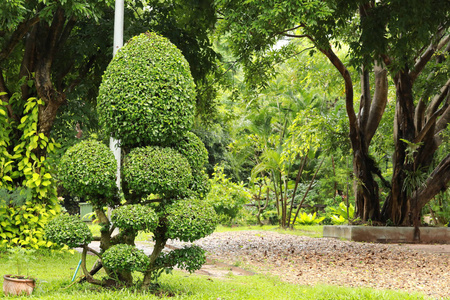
(310, 261)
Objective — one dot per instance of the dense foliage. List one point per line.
(135, 217)
(123, 257)
(190, 220)
(156, 170)
(68, 230)
(88, 169)
(22, 221)
(155, 108)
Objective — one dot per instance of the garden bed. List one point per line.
(381, 234)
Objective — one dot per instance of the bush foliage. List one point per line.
(156, 170)
(68, 230)
(88, 169)
(135, 217)
(189, 220)
(147, 93)
(22, 223)
(123, 257)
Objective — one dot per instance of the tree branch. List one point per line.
(17, 36)
(436, 182)
(443, 122)
(438, 99)
(428, 54)
(87, 274)
(290, 29)
(337, 63)
(379, 102)
(296, 35)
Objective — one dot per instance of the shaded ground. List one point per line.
(309, 261)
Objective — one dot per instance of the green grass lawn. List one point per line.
(311, 231)
(54, 273)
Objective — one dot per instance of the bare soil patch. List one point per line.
(311, 261)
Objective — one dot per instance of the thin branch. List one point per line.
(290, 29)
(93, 251)
(296, 35)
(87, 275)
(307, 191)
(297, 180)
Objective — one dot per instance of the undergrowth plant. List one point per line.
(28, 198)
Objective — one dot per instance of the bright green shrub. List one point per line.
(156, 170)
(189, 220)
(307, 219)
(88, 169)
(68, 230)
(124, 257)
(340, 216)
(187, 258)
(135, 217)
(225, 196)
(194, 150)
(147, 93)
(200, 185)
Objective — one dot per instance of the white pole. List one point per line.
(118, 43)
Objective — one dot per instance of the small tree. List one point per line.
(146, 101)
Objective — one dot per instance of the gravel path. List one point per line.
(310, 261)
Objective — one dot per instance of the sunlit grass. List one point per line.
(54, 273)
(311, 231)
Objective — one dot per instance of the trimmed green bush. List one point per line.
(188, 258)
(147, 93)
(190, 219)
(135, 217)
(124, 257)
(200, 185)
(88, 169)
(156, 170)
(68, 230)
(194, 150)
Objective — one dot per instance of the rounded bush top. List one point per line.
(192, 147)
(156, 170)
(135, 217)
(122, 257)
(88, 169)
(190, 219)
(68, 230)
(147, 93)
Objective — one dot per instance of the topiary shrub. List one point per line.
(135, 217)
(156, 170)
(194, 150)
(125, 258)
(68, 230)
(146, 101)
(189, 220)
(88, 169)
(147, 93)
(187, 258)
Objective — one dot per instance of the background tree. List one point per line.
(404, 32)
